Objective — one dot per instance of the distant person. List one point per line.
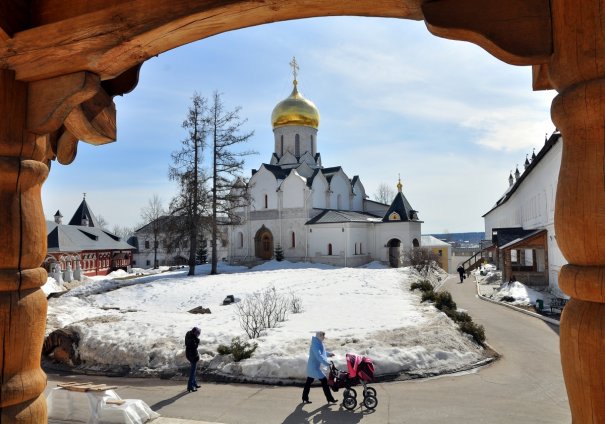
(192, 341)
(318, 356)
(461, 272)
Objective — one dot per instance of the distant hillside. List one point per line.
(471, 238)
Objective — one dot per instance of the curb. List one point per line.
(533, 314)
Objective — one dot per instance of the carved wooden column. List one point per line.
(577, 71)
(22, 250)
(39, 121)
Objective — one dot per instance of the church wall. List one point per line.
(344, 237)
(293, 192)
(532, 207)
(406, 232)
(263, 183)
(307, 140)
(358, 198)
(319, 193)
(340, 186)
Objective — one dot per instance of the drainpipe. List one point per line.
(346, 244)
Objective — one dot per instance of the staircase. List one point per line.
(475, 261)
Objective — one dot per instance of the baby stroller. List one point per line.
(360, 370)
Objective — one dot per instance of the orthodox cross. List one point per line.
(84, 195)
(295, 67)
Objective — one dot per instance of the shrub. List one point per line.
(262, 310)
(428, 295)
(296, 305)
(475, 330)
(508, 299)
(423, 285)
(444, 300)
(240, 350)
(279, 253)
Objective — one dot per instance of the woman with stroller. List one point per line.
(318, 356)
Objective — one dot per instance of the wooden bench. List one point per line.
(557, 303)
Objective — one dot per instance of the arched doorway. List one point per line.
(263, 243)
(394, 246)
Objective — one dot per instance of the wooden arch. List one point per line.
(62, 61)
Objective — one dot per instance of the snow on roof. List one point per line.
(432, 241)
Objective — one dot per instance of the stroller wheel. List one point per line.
(369, 391)
(350, 393)
(349, 402)
(370, 402)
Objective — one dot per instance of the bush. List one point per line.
(279, 253)
(240, 350)
(296, 305)
(508, 299)
(262, 310)
(428, 295)
(443, 300)
(475, 330)
(423, 285)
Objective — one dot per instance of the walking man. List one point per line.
(461, 272)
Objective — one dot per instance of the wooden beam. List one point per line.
(112, 40)
(515, 31)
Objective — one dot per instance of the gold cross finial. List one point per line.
(295, 68)
(84, 195)
(399, 185)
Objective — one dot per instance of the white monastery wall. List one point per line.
(293, 191)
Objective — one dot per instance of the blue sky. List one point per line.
(393, 99)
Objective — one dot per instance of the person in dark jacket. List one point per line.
(461, 272)
(191, 343)
(318, 356)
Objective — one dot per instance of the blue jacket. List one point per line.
(317, 356)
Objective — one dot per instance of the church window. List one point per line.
(297, 145)
(148, 262)
(293, 239)
(329, 249)
(241, 239)
(266, 201)
(360, 249)
(282, 145)
(146, 244)
(415, 243)
(356, 248)
(339, 202)
(394, 217)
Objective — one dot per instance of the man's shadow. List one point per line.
(159, 405)
(325, 414)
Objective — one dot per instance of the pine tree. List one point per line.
(202, 252)
(279, 253)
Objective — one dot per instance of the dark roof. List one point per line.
(82, 212)
(522, 239)
(504, 236)
(354, 180)
(331, 216)
(77, 238)
(329, 172)
(554, 138)
(276, 170)
(402, 207)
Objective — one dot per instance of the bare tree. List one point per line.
(122, 232)
(152, 214)
(190, 204)
(384, 193)
(420, 258)
(225, 129)
(102, 222)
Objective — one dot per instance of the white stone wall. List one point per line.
(532, 206)
(320, 187)
(405, 231)
(263, 183)
(359, 197)
(293, 191)
(340, 188)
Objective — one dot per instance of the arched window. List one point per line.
(329, 249)
(356, 248)
(266, 201)
(241, 239)
(339, 201)
(282, 145)
(312, 150)
(415, 243)
(297, 145)
(293, 240)
(360, 249)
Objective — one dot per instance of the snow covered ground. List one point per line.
(140, 323)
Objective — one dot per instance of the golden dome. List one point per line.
(295, 110)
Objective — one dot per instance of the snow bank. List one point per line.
(140, 323)
(52, 286)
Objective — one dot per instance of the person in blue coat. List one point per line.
(318, 356)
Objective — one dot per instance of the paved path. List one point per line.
(524, 386)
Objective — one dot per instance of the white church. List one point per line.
(315, 213)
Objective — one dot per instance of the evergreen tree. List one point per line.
(202, 252)
(279, 253)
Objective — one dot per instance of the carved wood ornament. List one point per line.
(62, 61)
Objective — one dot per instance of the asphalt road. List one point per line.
(524, 386)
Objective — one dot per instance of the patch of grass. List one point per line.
(240, 350)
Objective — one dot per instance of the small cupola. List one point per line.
(511, 180)
(526, 164)
(517, 173)
(58, 217)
